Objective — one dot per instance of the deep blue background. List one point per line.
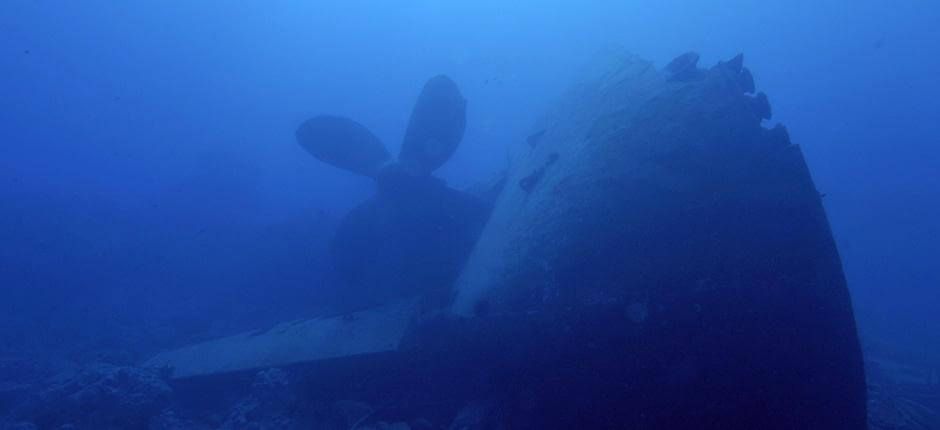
(151, 189)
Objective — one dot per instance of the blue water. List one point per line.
(152, 193)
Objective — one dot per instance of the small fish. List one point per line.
(534, 138)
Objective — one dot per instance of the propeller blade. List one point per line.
(436, 126)
(343, 143)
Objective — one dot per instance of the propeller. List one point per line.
(434, 131)
(412, 236)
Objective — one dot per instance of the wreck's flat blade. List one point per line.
(365, 332)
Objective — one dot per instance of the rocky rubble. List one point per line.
(101, 396)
